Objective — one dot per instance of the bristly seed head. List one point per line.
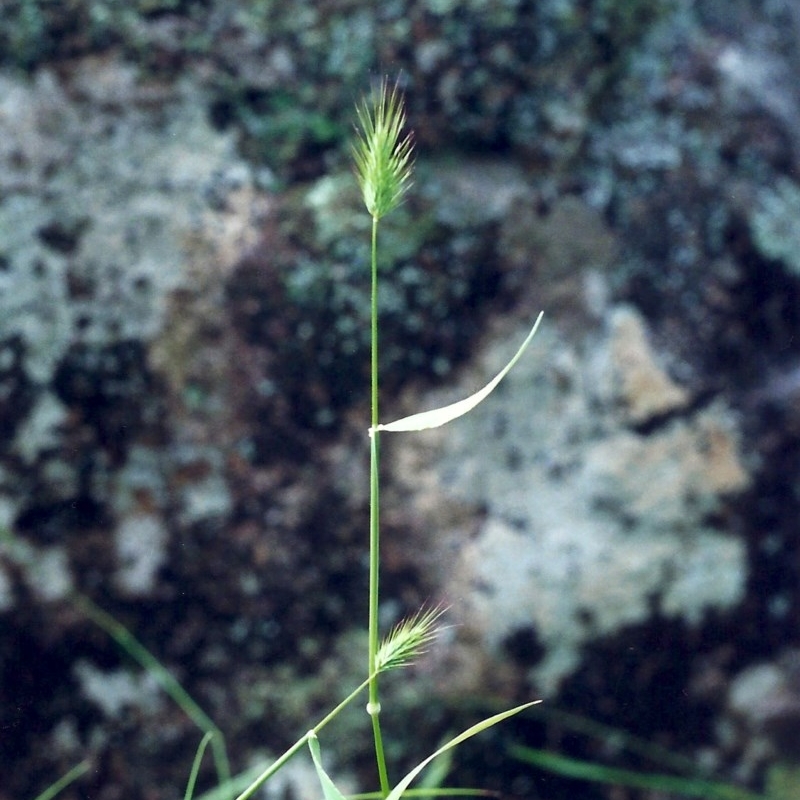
(383, 159)
(409, 639)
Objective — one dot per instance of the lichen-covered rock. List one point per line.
(587, 521)
(179, 325)
(90, 264)
(524, 76)
(101, 219)
(122, 218)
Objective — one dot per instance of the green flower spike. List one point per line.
(383, 159)
(409, 639)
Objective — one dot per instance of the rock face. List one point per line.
(182, 363)
(105, 217)
(590, 525)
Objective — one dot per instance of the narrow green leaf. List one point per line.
(328, 786)
(198, 758)
(404, 783)
(168, 682)
(435, 777)
(599, 773)
(64, 781)
(439, 416)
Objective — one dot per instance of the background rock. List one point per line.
(182, 350)
(588, 526)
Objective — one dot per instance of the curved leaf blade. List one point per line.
(328, 786)
(440, 416)
(64, 781)
(483, 725)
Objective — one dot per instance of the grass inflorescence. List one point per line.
(383, 155)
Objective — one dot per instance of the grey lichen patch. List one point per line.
(763, 705)
(49, 574)
(45, 570)
(565, 241)
(207, 499)
(587, 521)
(140, 542)
(93, 256)
(572, 567)
(473, 193)
(33, 124)
(40, 429)
(671, 479)
(775, 224)
(33, 288)
(572, 236)
(117, 690)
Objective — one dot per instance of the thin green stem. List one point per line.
(374, 322)
(374, 499)
(300, 743)
(274, 767)
(374, 706)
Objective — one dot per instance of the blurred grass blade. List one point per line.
(168, 682)
(328, 786)
(444, 792)
(440, 416)
(622, 739)
(64, 781)
(234, 786)
(198, 758)
(483, 725)
(435, 777)
(599, 773)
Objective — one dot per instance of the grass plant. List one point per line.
(383, 157)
